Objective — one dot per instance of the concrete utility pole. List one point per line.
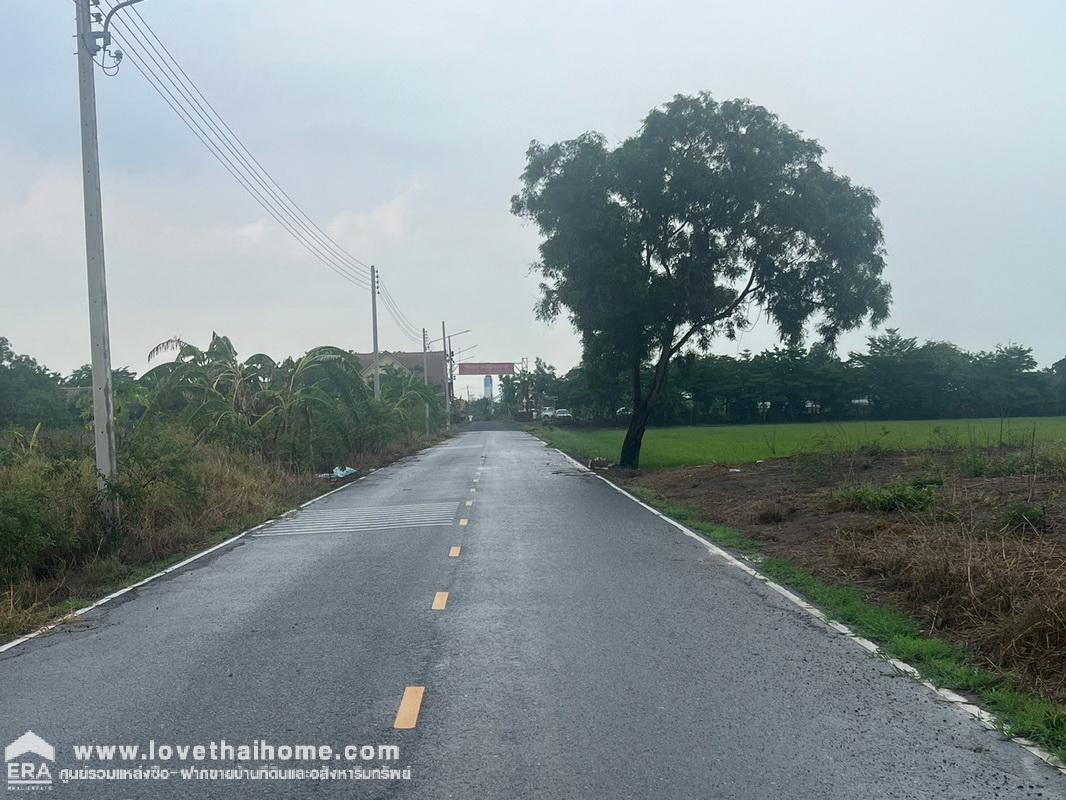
(374, 317)
(447, 378)
(425, 372)
(100, 339)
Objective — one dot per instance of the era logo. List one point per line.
(26, 760)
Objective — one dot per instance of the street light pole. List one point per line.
(445, 340)
(447, 379)
(99, 336)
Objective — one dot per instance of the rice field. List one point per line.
(736, 444)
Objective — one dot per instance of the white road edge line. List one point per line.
(985, 718)
(51, 626)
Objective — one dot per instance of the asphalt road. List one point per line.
(586, 649)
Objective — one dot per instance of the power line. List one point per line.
(215, 145)
(307, 221)
(405, 327)
(410, 332)
(400, 317)
(314, 248)
(408, 327)
(211, 136)
(172, 83)
(403, 317)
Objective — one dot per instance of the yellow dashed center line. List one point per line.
(410, 704)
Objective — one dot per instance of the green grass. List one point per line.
(900, 636)
(885, 499)
(734, 444)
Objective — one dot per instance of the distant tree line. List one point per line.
(897, 377)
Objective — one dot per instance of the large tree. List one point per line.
(29, 392)
(711, 211)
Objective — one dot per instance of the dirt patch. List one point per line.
(979, 558)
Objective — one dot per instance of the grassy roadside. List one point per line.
(104, 577)
(1021, 713)
(235, 493)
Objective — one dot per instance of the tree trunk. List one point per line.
(642, 407)
(630, 457)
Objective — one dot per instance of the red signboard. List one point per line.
(487, 368)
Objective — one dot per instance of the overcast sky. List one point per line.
(402, 128)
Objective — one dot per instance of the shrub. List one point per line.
(158, 478)
(1022, 516)
(915, 496)
(974, 462)
(771, 514)
(49, 515)
(26, 533)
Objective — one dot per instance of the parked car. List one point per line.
(563, 413)
(547, 413)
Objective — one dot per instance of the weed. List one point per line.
(914, 496)
(943, 438)
(49, 514)
(976, 462)
(1022, 516)
(1027, 716)
(55, 544)
(771, 514)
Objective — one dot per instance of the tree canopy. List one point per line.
(29, 392)
(710, 212)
